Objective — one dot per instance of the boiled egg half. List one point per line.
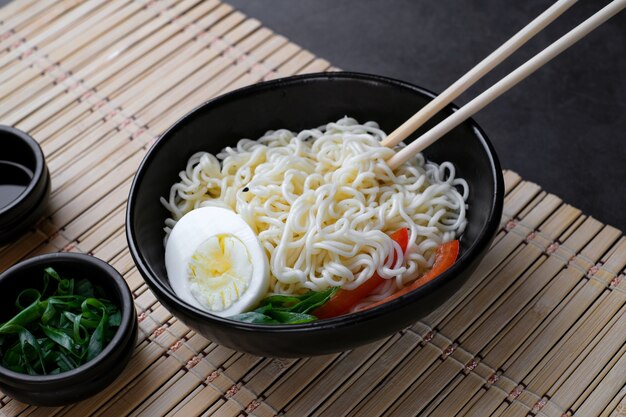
(215, 262)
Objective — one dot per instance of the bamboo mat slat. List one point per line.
(539, 330)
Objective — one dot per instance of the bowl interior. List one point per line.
(296, 104)
(24, 182)
(17, 149)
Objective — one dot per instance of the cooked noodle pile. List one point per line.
(323, 203)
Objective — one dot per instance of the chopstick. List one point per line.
(506, 83)
(476, 73)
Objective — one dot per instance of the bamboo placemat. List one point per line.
(540, 329)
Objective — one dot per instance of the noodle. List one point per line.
(323, 203)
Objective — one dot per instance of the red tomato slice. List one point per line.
(343, 301)
(447, 254)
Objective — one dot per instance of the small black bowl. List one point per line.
(92, 377)
(24, 183)
(297, 103)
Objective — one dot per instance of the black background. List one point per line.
(563, 128)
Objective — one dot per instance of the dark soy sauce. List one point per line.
(14, 179)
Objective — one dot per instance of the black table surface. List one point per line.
(563, 128)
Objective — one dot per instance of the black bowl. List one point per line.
(95, 375)
(24, 183)
(297, 103)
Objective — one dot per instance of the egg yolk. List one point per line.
(219, 271)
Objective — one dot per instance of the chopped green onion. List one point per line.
(287, 309)
(59, 333)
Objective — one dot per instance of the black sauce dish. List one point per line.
(297, 103)
(88, 379)
(24, 183)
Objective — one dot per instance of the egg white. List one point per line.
(196, 227)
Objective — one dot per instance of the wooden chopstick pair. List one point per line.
(506, 83)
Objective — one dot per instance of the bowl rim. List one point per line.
(38, 172)
(118, 341)
(479, 245)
